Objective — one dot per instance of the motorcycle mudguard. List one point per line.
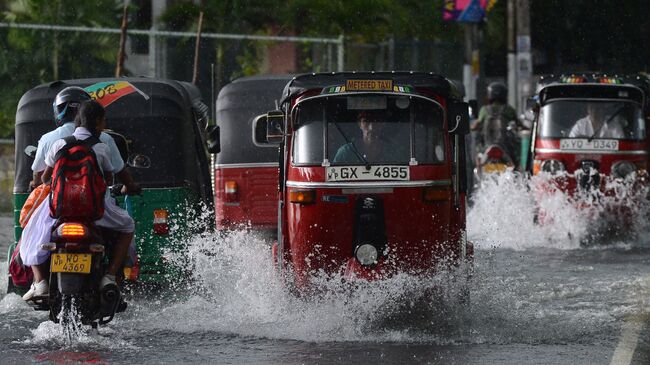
(71, 283)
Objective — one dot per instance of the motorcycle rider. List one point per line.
(65, 106)
(494, 121)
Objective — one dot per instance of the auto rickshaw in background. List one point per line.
(246, 174)
(590, 134)
(159, 124)
(372, 174)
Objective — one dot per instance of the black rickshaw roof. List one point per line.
(162, 119)
(30, 107)
(592, 79)
(593, 85)
(436, 83)
(233, 95)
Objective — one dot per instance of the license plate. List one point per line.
(361, 173)
(71, 262)
(494, 168)
(573, 144)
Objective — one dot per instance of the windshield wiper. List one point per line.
(354, 148)
(620, 109)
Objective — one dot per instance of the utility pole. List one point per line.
(512, 64)
(524, 58)
(471, 68)
(520, 65)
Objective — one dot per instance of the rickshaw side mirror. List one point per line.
(458, 117)
(473, 108)
(268, 128)
(214, 139)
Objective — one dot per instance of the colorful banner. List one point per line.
(107, 92)
(466, 11)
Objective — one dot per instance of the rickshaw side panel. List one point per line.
(255, 204)
(253, 168)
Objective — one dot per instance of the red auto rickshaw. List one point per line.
(245, 174)
(372, 174)
(590, 132)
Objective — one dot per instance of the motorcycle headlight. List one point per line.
(552, 166)
(366, 254)
(622, 169)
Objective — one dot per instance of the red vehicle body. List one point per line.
(579, 156)
(245, 174)
(399, 210)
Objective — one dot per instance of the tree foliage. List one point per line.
(32, 57)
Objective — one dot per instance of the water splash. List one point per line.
(513, 211)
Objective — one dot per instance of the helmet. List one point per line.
(497, 91)
(67, 102)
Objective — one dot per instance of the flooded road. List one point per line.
(537, 297)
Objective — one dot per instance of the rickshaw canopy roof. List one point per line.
(594, 85)
(160, 118)
(436, 83)
(36, 104)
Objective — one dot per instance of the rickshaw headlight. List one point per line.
(366, 254)
(552, 166)
(622, 169)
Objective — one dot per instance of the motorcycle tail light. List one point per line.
(230, 188)
(302, 196)
(132, 273)
(160, 224)
(71, 230)
(435, 193)
(494, 153)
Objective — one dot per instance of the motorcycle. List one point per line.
(78, 262)
(498, 157)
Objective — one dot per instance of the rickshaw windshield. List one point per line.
(368, 129)
(610, 119)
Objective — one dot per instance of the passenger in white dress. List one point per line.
(90, 121)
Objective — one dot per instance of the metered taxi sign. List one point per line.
(369, 85)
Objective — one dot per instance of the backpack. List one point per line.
(78, 185)
(21, 275)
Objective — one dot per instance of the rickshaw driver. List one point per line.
(373, 146)
(601, 122)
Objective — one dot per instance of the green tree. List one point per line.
(32, 57)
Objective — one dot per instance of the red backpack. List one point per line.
(78, 186)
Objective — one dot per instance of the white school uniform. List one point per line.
(38, 229)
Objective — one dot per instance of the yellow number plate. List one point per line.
(369, 85)
(71, 262)
(494, 168)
